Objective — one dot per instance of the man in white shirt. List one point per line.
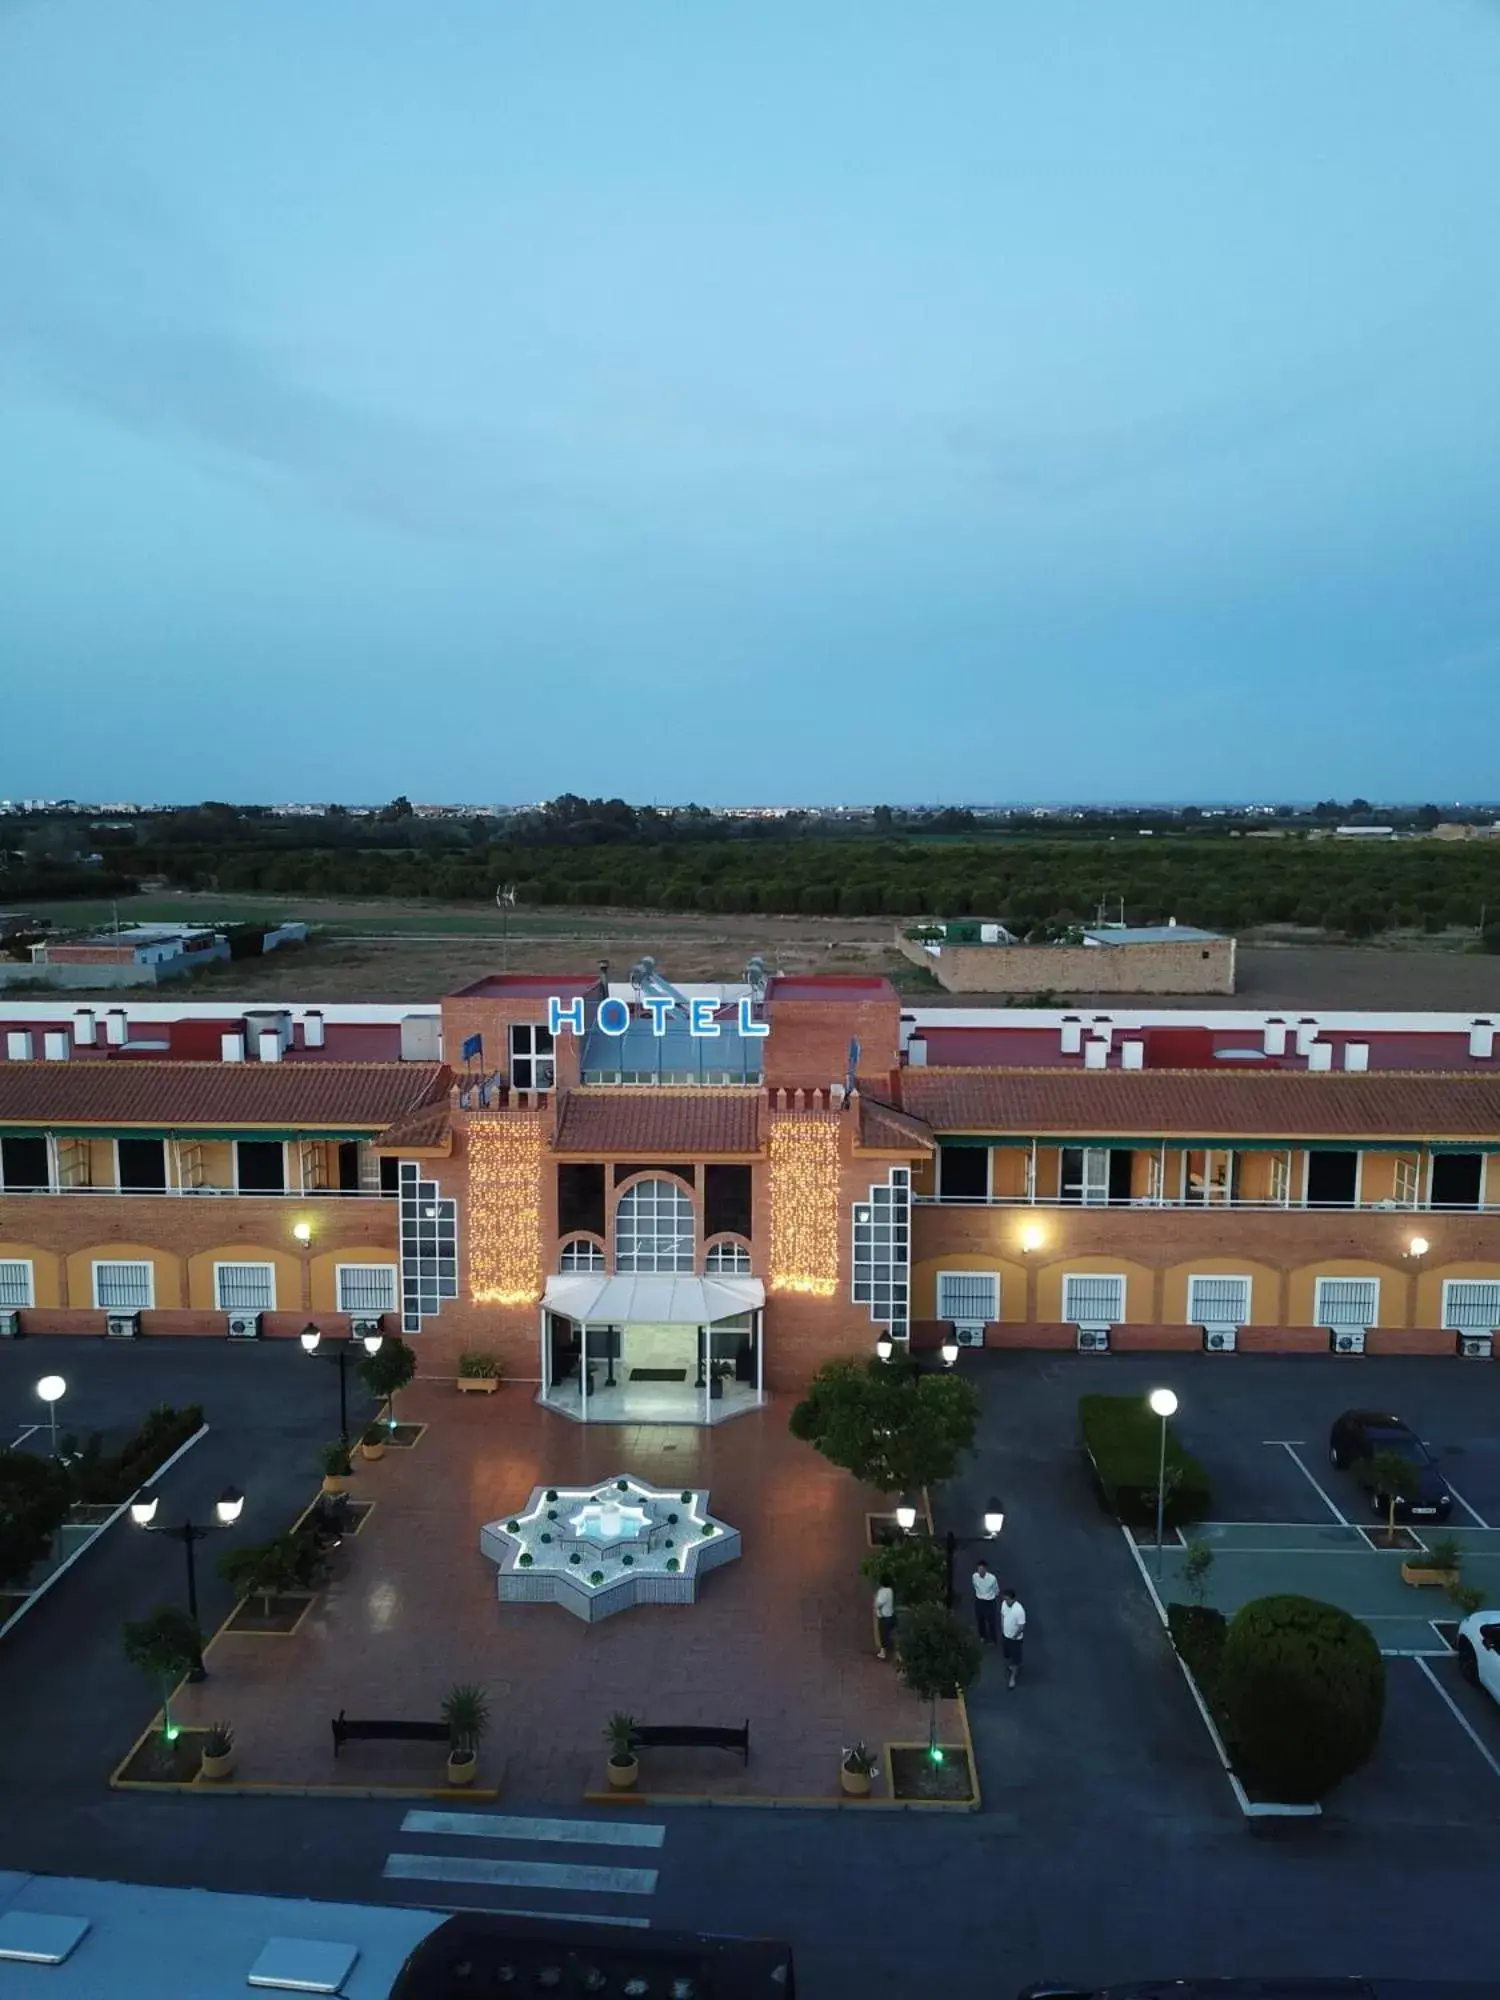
(1012, 1634)
(986, 1591)
(885, 1618)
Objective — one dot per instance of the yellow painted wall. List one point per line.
(325, 1274)
(1377, 1177)
(44, 1270)
(1140, 1288)
(1008, 1166)
(168, 1293)
(1265, 1287)
(1012, 1282)
(1302, 1288)
(200, 1273)
(1429, 1287)
(924, 1175)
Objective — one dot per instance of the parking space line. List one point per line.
(1473, 1513)
(1459, 1717)
(1337, 1515)
(26, 1431)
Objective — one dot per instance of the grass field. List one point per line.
(369, 950)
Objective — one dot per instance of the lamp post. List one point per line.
(992, 1520)
(885, 1347)
(227, 1510)
(1163, 1404)
(312, 1339)
(950, 1348)
(906, 1514)
(51, 1389)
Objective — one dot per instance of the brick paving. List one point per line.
(781, 1637)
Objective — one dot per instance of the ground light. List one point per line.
(1163, 1404)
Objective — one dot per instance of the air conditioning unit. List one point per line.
(243, 1326)
(1346, 1339)
(1093, 1340)
(10, 1324)
(1472, 1346)
(1220, 1339)
(364, 1329)
(122, 1326)
(969, 1333)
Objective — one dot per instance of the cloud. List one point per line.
(112, 305)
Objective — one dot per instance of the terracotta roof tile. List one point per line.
(676, 1123)
(1186, 1103)
(428, 1129)
(883, 1126)
(174, 1095)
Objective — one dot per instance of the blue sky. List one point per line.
(834, 399)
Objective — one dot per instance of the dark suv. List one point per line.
(1363, 1434)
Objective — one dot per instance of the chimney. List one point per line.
(1356, 1055)
(916, 1052)
(1072, 1035)
(116, 1027)
(312, 1030)
(85, 1027)
(1095, 1053)
(18, 1045)
(1307, 1034)
(1132, 1055)
(1319, 1055)
(1275, 1038)
(268, 1045)
(55, 1045)
(1482, 1040)
(232, 1048)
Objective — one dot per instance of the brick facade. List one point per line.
(1205, 966)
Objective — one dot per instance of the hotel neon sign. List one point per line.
(613, 1016)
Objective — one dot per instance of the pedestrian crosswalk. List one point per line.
(531, 1869)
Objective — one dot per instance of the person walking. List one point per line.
(885, 1618)
(1012, 1635)
(986, 1591)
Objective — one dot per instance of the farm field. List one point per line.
(394, 951)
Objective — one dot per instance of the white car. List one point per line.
(1479, 1650)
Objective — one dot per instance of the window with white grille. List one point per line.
(16, 1283)
(120, 1287)
(532, 1062)
(968, 1297)
(428, 1243)
(727, 1260)
(582, 1254)
(656, 1228)
(245, 1287)
(1347, 1302)
(1218, 1301)
(367, 1288)
(882, 1253)
(1093, 1301)
(1472, 1305)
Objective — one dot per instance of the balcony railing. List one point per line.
(1278, 1204)
(235, 1194)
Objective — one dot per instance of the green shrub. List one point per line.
(1302, 1689)
(103, 1478)
(916, 1570)
(937, 1654)
(1123, 1441)
(1197, 1631)
(475, 1365)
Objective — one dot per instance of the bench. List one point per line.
(689, 1736)
(367, 1730)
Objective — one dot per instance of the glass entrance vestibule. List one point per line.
(652, 1350)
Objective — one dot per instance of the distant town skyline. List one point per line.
(880, 403)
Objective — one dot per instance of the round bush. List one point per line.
(1302, 1689)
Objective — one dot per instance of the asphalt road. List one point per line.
(1110, 1846)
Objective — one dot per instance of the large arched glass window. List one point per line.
(655, 1228)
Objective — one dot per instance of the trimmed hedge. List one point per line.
(1301, 1685)
(1123, 1442)
(1198, 1632)
(105, 1479)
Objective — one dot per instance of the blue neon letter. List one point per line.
(658, 1006)
(613, 1017)
(560, 1017)
(701, 1020)
(748, 1026)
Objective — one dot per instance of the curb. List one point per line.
(1248, 1806)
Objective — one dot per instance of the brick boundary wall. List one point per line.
(1189, 967)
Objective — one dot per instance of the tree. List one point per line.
(1392, 1475)
(915, 1568)
(1302, 1688)
(891, 1425)
(34, 1499)
(937, 1656)
(389, 1369)
(164, 1646)
(263, 1570)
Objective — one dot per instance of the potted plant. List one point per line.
(372, 1443)
(388, 1369)
(624, 1766)
(1437, 1565)
(218, 1754)
(1466, 1599)
(467, 1714)
(718, 1375)
(856, 1768)
(337, 1466)
(478, 1371)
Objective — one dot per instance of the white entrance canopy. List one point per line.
(651, 1297)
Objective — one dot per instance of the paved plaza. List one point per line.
(781, 1638)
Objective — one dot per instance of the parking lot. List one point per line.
(1098, 1719)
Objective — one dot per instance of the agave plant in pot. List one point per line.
(218, 1754)
(624, 1766)
(857, 1767)
(337, 1466)
(467, 1714)
(372, 1443)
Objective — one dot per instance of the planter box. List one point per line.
(1428, 1579)
(481, 1385)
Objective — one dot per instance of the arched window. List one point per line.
(727, 1259)
(582, 1253)
(655, 1228)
